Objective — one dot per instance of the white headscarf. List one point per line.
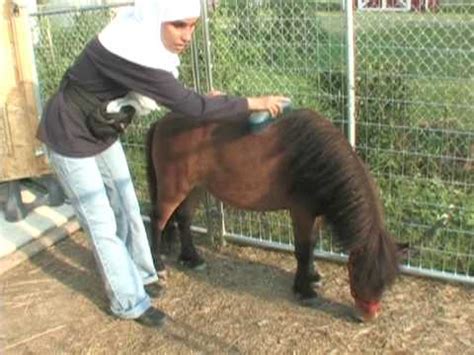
(135, 34)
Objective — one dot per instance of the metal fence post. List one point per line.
(207, 44)
(214, 208)
(195, 65)
(351, 132)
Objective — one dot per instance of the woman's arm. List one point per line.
(165, 89)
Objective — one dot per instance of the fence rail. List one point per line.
(402, 85)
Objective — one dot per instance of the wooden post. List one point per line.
(20, 152)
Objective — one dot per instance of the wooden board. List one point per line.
(19, 113)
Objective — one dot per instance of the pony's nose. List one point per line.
(367, 311)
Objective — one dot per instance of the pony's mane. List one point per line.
(324, 166)
(326, 171)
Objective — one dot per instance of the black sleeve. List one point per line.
(163, 87)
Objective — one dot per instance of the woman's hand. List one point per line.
(272, 104)
(215, 93)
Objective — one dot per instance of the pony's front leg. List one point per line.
(316, 278)
(304, 247)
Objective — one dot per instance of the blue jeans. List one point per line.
(103, 197)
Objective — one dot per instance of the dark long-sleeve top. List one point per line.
(63, 127)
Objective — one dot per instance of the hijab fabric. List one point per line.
(135, 33)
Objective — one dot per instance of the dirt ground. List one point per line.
(242, 303)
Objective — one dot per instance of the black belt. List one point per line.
(102, 124)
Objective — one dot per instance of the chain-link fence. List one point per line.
(416, 128)
(406, 90)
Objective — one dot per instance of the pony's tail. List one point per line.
(150, 171)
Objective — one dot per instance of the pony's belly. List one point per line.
(256, 198)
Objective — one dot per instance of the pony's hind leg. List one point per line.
(156, 245)
(189, 255)
(161, 217)
(305, 276)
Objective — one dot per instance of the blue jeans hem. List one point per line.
(135, 312)
(150, 279)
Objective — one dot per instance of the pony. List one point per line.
(301, 163)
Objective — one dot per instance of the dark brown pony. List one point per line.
(302, 164)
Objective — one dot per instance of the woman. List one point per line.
(135, 53)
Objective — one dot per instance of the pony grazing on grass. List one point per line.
(302, 163)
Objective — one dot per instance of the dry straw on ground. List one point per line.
(242, 303)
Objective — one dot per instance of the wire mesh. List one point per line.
(414, 90)
(415, 128)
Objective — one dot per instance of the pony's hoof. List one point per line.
(197, 264)
(307, 298)
(308, 301)
(317, 284)
(200, 267)
(316, 280)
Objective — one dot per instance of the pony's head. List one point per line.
(372, 268)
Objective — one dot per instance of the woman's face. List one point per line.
(176, 35)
